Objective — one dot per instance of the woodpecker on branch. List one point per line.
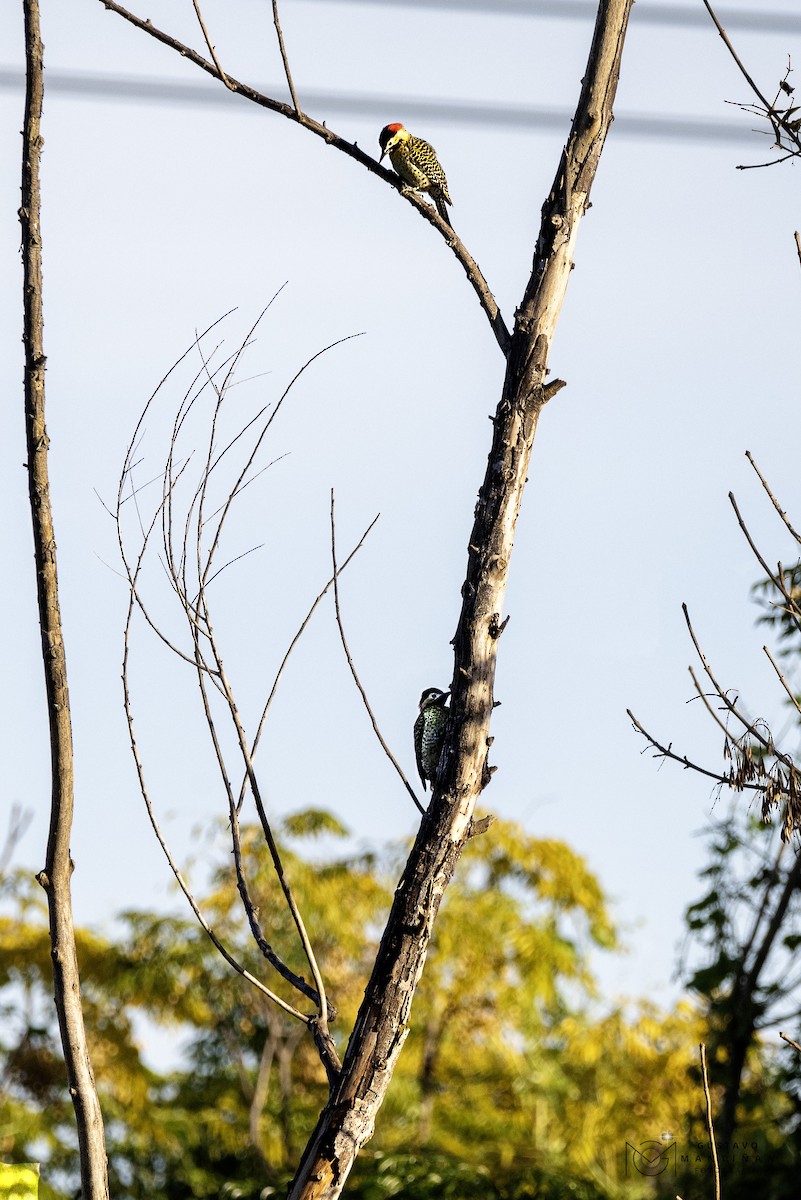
(429, 732)
(417, 164)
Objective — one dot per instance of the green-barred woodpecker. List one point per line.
(429, 732)
(417, 164)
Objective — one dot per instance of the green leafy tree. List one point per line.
(509, 1073)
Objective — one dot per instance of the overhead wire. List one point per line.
(146, 89)
(644, 13)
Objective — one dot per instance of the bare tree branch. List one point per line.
(207, 40)
(779, 119)
(471, 268)
(758, 763)
(179, 878)
(266, 949)
(743, 71)
(56, 875)
(190, 566)
(301, 630)
(750, 726)
(778, 579)
(668, 752)
(761, 477)
(285, 61)
(353, 672)
(782, 680)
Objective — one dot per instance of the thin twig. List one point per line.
(269, 838)
(790, 1041)
(747, 724)
(133, 571)
(777, 580)
(740, 521)
(266, 949)
(768, 107)
(240, 970)
(202, 610)
(782, 680)
(212, 51)
(471, 268)
(705, 701)
(317, 996)
(798, 244)
(667, 752)
(356, 679)
(761, 477)
(709, 1125)
(772, 162)
(285, 61)
(320, 595)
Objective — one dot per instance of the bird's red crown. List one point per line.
(388, 132)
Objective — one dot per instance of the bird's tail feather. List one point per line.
(442, 209)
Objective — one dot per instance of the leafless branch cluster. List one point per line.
(185, 529)
(756, 762)
(778, 113)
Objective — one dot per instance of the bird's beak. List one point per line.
(383, 154)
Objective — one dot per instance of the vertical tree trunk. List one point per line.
(348, 1119)
(740, 1030)
(55, 878)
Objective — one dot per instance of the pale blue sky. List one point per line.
(678, 340)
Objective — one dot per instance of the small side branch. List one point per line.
(301, 630)
(208, 42)
(735, 56)
(782, 680)
(285, 61)
(668, 752)
(761, 477)
(353, 671)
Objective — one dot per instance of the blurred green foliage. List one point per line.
(514, 1081)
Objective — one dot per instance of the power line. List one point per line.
(142, 89)
(643, 13)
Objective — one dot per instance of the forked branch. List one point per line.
(293, 113)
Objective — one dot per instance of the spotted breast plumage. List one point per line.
(429, 732)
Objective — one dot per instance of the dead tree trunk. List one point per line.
(348, 1119)
(55, 878)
